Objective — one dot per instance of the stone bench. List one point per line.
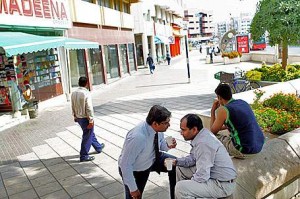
(273, 173)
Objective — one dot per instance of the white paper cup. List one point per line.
(169, 163)
(169, 140)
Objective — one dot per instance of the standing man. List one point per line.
(82, 110)
(150, 63)
(142, 153)
(168, 56)
(208, 171)
(246, 137)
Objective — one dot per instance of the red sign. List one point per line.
(242, 43)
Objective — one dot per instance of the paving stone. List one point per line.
(26, 194)
(71, 180)
(61, 194)
(101, 181)
(92, 194)
(42, 150)
(64, 173)
(3, 193)
(119, 196)
(111, 189)
(42, 180)
(18, 188)
(52, 161)
(58, 167)
(79, 189)
(9, 167)
(33, 174)
(14, 180)
(48, 188)
(159, 195)
(28, 159)
(15, 172)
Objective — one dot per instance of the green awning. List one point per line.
(18, 43)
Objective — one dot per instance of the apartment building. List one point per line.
(200, 23)
(157, 29)
(245, 23)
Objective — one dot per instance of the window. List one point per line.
(90, 1)
(126, 7)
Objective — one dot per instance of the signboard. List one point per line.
(37, 13)
(171, 40)
(242, 42)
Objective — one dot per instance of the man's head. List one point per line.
(82, 82)
(190, 125)
(223, 92)
(159, 118)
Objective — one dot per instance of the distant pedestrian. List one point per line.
(200, 48)
(150, 63)
(168, 56)
(82, 110)
(211, 54)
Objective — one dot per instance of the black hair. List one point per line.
(82, 82)
(224, 91)
(158, 114)
(193, 120)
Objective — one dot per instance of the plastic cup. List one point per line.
(169, 163)
(169, 140)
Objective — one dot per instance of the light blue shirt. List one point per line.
(138, 152)
(210, 157)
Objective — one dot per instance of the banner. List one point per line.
(242, 42)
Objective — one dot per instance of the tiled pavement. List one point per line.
(47, 148)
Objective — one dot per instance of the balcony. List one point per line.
(81, 8)
(127, 20)
(111, 17)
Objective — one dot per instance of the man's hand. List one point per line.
(90, 125)
(173, 145)
(215, 106)
(136, 194)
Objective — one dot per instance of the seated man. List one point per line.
(208, 171)
(237, 116)
(142, 153)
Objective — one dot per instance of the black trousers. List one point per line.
(141, 177)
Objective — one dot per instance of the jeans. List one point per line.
(141, 177)
(88, 139)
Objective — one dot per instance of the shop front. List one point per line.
(36, 61)
(175, 47)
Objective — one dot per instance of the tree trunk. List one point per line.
(284, 54)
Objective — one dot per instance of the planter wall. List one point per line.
(231, 61)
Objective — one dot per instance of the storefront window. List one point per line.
(111, 61)
(77, 66)
(123, 55)
(96, 67)
(131, 57)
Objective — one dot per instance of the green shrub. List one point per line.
(278, 114)
(253, 75)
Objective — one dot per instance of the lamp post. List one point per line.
(187, 52)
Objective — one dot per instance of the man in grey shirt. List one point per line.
(208, 172)
(142, 153)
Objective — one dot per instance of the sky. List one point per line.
(222, 8)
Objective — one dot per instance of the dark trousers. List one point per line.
(141, 177)
(168, 60)
(88, 139)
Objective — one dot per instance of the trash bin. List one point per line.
(33, 110)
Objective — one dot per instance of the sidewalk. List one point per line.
(40, 157)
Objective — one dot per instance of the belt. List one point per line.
(229, 181)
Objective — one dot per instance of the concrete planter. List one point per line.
(231, 61)
(266, 83)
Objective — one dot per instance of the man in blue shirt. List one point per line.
(208, 171)
(142, 153)
(246, 137)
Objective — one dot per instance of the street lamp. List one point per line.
(187, 51)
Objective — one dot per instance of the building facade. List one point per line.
(157, 29)
(49, 44)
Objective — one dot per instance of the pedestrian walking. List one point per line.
(200, 48)
(168, 56)
(208, 171)
(82, 110)
(211, 54)
(143, 152)
(150, 63)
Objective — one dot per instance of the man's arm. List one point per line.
(186, 162)
(217, 121)
(89, 111)
(131, 150)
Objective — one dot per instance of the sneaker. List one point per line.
(101, 148)
(90, 158)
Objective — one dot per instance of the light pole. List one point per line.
(187, 51)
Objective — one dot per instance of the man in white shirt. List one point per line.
(82, 110)
(208, 172)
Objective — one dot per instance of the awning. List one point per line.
(18, 43)
(161, 39)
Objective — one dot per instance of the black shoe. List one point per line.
(91, 158)
(101, 148)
